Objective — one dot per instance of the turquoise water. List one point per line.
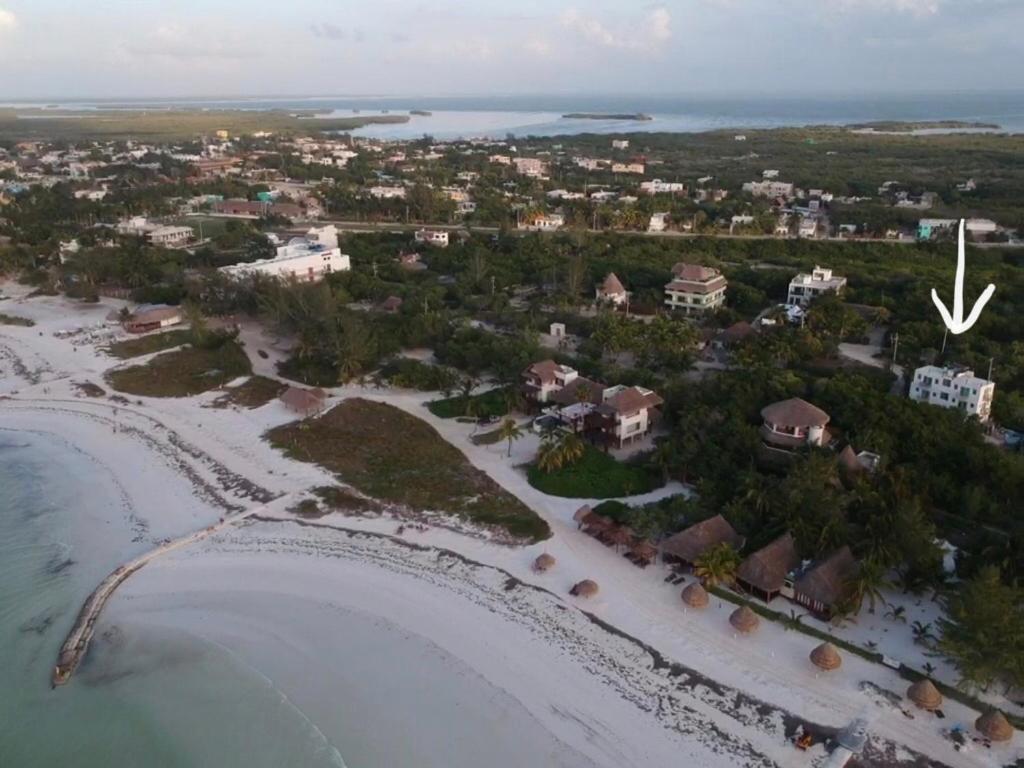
(156, 698)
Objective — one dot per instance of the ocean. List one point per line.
(541, 115)
(164, 698)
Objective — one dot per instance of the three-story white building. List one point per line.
(953, 388)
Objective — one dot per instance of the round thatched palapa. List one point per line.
(925, 695)
(994, 725)
(581, 513)
(826, 657)
(544, 562)
(744, 620)
(695, 595)
(585, 588)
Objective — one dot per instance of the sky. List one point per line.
(152, 48)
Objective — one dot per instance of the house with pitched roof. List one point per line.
(543, 379)
(627, 414)
(612, 291)
(763, 573)
(827, 582)
(688, 545)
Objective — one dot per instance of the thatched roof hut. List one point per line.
(993, 725)
(827, 582)
(544, 562)
(826, 657)
(764, 572)
(585, 588)
(744, 620)
(925, 695)
(595, 523)
(695, 596)
(581, 514)
(620, 535)
(690, 544)
(644, 550)
(304, 401)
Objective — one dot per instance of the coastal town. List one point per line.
(711, 427)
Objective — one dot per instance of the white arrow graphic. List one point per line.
(956, 322)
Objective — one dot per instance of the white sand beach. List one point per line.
(432, 648)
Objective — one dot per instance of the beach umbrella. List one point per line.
(826, 657)
(993, 725)
(544, 562)
(695, 595)
(925, 695)
(744, 620)
(585, 588)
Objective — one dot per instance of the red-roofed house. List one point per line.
(542, 380)
(627, 414)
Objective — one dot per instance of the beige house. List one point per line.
(542, 380)
(695, 289)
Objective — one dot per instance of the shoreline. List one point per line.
(422, 579)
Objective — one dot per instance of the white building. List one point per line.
(628, 168)
(432, 237)
(386, 193)
(170, 237)
(805, 288)
(808, 227)
(658, 187)
(542, 380)
(620, 143)
(658, 222)
(547, 223)
(307, 259)
(587, 163)
(767, 188)
(953, 388)
(628, 413)
(695, 289)
(530, 166)
(980, 227)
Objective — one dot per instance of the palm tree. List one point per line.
(718, 565)
(510, 431)
(571, 448)
(897, 613)
(549, 456)
(922, 632)
(869, 583)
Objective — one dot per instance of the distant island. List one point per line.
(607, 116)
(420, 112)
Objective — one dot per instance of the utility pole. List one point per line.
(991, 360)
(895, 346)
(944, 337)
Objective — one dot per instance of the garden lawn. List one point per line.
(145, 345)
(595, 476)
(493, 402)
(394, 457)
(183, 372)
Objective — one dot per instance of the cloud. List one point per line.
(654, 31)
(325, 30)
(915, 7)
(7, 20)
(173, 41)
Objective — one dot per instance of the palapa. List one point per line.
(695, 595)
(544, 562)
(581, 514)
(993, 725)
(925, 695)
(826, 657)
(585, 588)
(744, 620)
